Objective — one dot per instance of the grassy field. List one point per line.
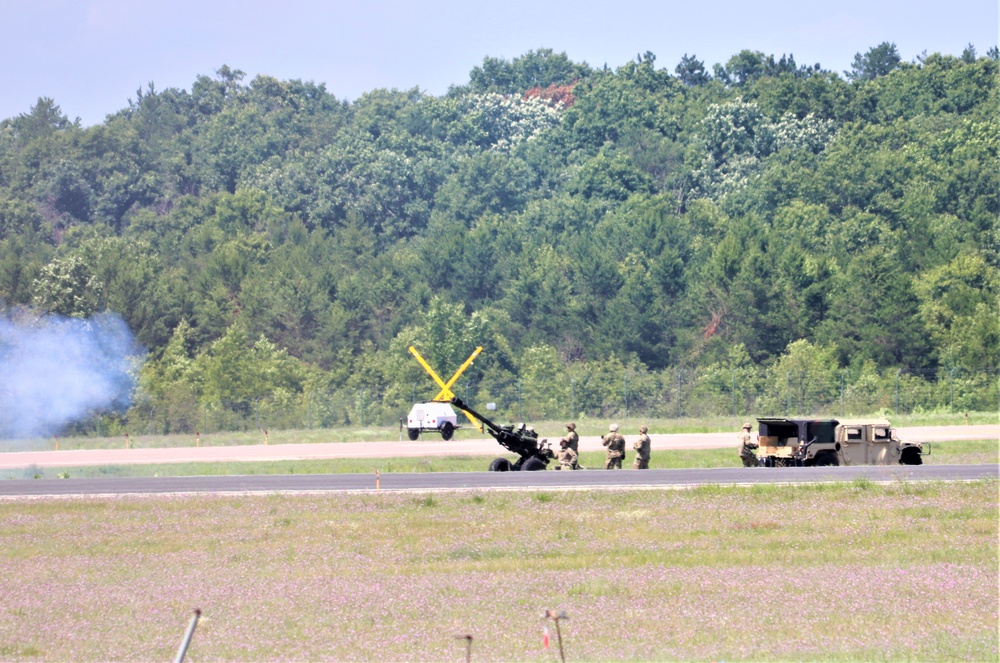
(943, 453)
(550, 429)
(843, 572)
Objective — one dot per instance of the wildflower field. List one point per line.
(853, 571)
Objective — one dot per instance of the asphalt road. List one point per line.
(447, 481)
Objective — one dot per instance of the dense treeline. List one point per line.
(265, 240)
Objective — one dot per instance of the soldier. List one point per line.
(572, 438)
(566, 456)
(641, 447)
(747, 446)
(616, 448)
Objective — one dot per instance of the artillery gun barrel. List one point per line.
(460, 404)
(518, 442)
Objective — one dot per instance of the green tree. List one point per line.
(804, 380)
(691, 71)
(877, 61)
(67, 286)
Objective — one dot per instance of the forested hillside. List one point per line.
(672, 239)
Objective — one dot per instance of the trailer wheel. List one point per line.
(911, 456)
(447, 430)
(500, 465)
(412, 433)
(533, 465)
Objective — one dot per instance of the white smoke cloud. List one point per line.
(55, 371)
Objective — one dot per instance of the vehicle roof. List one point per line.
(865, 422)
(783, 420)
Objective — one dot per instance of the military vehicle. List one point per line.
(815, 442)
(520, 439)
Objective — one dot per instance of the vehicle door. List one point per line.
(879, 443)
(854, 445)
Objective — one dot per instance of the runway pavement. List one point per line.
(449, 481)
(430, 446)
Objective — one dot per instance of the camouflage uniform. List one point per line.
(616, 448)
(747, 446)
(573, 442)
(641, 447)
(572, 439)
(566, 456)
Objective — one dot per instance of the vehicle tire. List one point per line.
(825, 459)
(447, 430)
(412, 433)
(533, 465)
(911, 456)
(500, 465)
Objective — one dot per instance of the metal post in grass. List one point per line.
(572, 397)
(843, 391)
(186, 642)
(788, 392)
(557, 617)
(898, 371)
(734, 393)
(951, 389)
(625, 382)
(468, 646)
(680, 378)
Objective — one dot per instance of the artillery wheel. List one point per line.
(500, 465)
(447, 430)
(412, 433)
(533, 465)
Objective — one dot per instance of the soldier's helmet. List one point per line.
(746, 425)
(643, 429)
(613, 428)
(571, 426)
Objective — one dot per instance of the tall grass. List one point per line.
(836, 572)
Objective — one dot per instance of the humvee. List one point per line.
(808, 442)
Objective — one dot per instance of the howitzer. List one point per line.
(521, 440)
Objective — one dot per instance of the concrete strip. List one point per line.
(406, 449)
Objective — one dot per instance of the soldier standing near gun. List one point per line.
(573, 442)
(641, 447)
(747, 446)
(616, 448)
(566, 456)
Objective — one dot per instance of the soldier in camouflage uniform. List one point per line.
(747, 446)
(573, 442)
(641, 447)
(572, 438)
(616, 448)
(566, 456)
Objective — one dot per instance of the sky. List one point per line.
(91, 56)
